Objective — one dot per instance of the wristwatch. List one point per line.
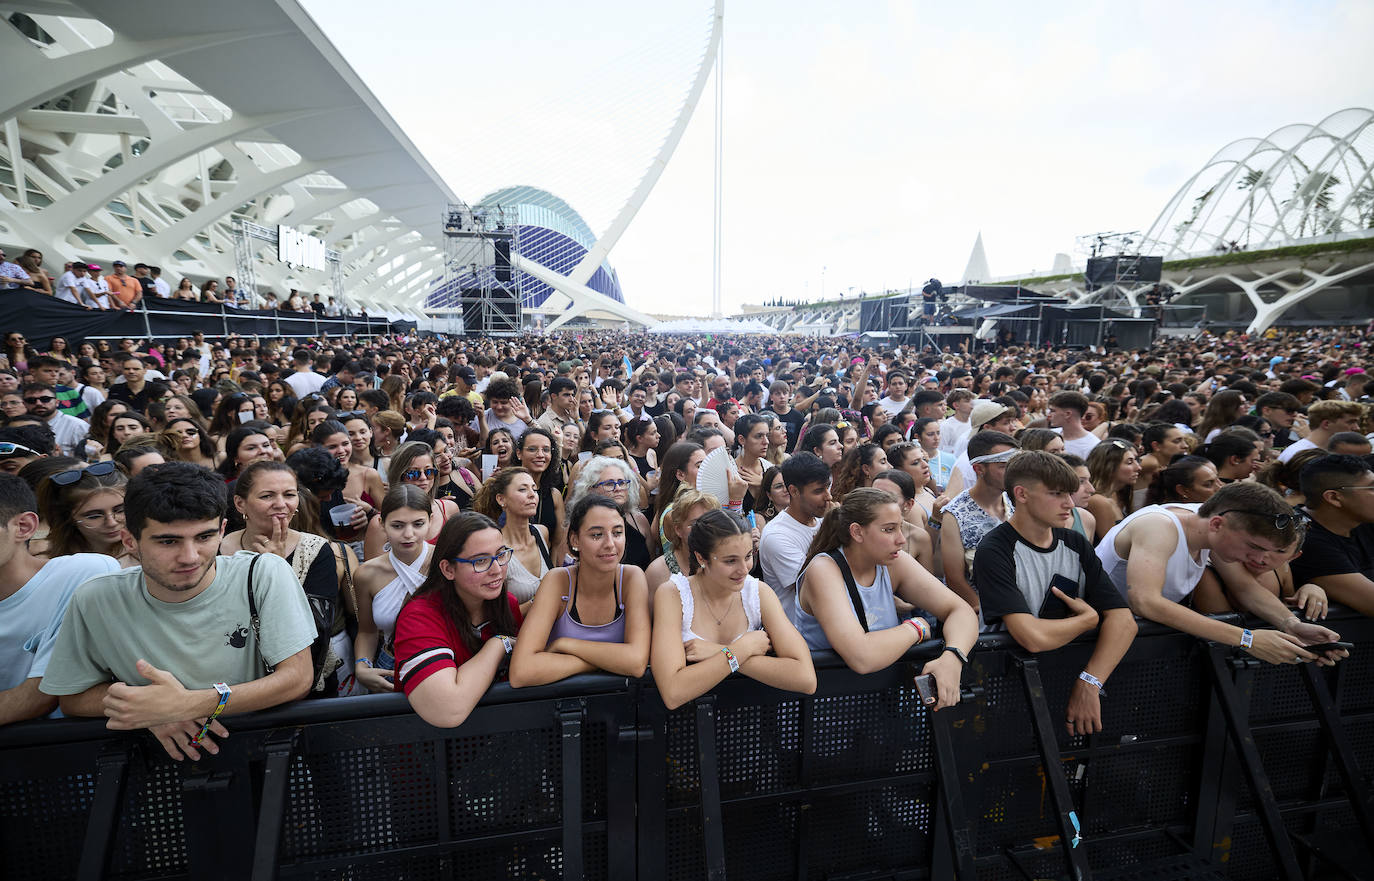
(958, 653)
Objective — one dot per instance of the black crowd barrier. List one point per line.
(41, 317)
(1210, 765)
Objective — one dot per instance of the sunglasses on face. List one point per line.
(188, 432)
(67, 478)
(417, 473)
(42, 399)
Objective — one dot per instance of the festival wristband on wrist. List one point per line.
(1093, 680)
(730, 659)
(507, 643)
(364, 661)
(1246, 639)
(922, 628)
(224, 691)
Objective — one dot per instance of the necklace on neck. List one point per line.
(720, 619)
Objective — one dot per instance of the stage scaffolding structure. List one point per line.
(481, 293)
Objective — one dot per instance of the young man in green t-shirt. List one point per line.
(164, 646)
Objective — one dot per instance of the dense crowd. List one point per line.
(200, 528)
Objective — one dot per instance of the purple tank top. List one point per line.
(566, 625)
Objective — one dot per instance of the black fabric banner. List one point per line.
(40, 318)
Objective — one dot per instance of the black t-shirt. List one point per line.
(149, 287)
(1326, 553)
(1015, 576)
(792, 421)
(138, 402)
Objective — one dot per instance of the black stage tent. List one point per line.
(40, 318)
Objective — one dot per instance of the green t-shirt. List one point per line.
(112, 621)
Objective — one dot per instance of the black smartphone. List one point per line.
(926, 687)
(1329, 647)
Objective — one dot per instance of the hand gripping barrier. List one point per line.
(1210, 765)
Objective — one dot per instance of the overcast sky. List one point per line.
(866, 143)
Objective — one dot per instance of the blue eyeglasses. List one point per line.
(612, 484)
(483, 562)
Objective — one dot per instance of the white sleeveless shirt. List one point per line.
(1181, 573)
(749, 596)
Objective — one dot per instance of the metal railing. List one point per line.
(1210, 765)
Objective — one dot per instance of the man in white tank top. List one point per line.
(1156, 556)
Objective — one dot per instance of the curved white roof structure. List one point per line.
(140, 131)
(1298, 182)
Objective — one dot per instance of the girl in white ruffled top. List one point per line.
(720, 619)
(385, 582)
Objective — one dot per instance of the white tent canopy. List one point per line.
(712, 325)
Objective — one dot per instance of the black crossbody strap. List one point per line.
(543, 550)
(854, 598)
(253, 618)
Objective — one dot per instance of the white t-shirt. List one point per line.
(1293, 449)
(305, 383)
(1082, 446)
(69, 288)
(782, 548)
(952, 431)
(894, 407)
(31, 616)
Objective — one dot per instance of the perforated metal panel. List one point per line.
(40, 818)
(151, 836)
(360, 801)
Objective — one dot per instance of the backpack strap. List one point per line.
(854, 598)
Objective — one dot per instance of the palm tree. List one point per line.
(1249, 182)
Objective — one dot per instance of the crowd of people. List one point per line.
(195, 528)
(87, 285)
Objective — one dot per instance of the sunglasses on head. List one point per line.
(1280, 521)
(67, 478)
(7, 450)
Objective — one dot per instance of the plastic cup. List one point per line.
(342, 515)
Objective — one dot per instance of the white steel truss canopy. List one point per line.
(1299, 182)
(140, 131)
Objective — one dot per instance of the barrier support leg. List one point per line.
(1220, 773)
(651, 785)
(572, 716)
(112, 773)
(952, 842)
(711, 829)
(1043, 726)
(1328, 714)
(1224, 689)
(280, 747)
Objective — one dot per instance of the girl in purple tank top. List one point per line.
(593, 615)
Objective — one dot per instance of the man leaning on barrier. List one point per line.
(1041, 580)
(164, 646)
(1338, 555)
(1156, 557)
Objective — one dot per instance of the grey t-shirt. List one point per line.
(112, 621)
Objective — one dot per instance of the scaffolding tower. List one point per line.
(481, 290)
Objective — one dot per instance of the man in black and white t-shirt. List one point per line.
(1042, 581)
